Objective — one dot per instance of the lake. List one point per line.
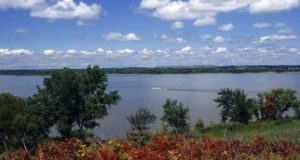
(196, 91)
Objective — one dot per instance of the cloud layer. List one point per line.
(203, 12)
(50, 58)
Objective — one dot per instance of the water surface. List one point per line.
(196, 91)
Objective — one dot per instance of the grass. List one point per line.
(287, 129)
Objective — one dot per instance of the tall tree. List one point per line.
(77, 100)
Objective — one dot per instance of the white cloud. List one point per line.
(262, 25)
(49, 52)
(20, 4)
(205, 21)
(62, 9)
(285, 31)
(194, 9)
(150, 4)
(200, 9)
(21, 30)
(164, 38)
(15, 52)
(219, 39)
(71, 51)
(177, 25)
(283, 28)
(280, 25)
(126, 51)
(88, 53)
(219, 50)
(226, 27)
(116, 36)
(293, 49)
(276, 37)
(147, 52)
(68, 9)
(265, 6)
(186, 49)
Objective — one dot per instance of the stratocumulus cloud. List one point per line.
(127, 57)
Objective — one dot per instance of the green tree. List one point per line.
(10, 107)
(76, 100)
(140, 121)
(235, 106)
(176, 116)
(273, 104)
(36, 120)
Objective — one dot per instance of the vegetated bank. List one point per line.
(167, 70)
(287, 129)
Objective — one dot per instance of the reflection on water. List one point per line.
(196, 91)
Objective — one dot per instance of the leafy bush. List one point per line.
(11, 107)
(235, 106)
(176, 116)
(140, 139)
(141, 120)
(273, 104)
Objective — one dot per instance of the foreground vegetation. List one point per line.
(169, 70)
(73, 103)
(164, 147)
(258, 140)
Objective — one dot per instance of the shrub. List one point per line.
(235, 106)
(199, 124)
(176, 116)
(273, 104)
(140, 139)
(141, 120)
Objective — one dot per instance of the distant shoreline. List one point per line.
(168, 70)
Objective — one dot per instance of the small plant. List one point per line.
(140, 139)
(176, 116)
(199, 124)
(140, 121)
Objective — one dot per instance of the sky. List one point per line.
(44, 34)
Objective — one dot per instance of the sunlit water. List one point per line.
(196, 91)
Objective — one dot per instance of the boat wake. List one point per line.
(156, 88)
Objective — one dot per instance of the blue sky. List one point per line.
(148, 33)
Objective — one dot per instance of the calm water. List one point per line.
(196, 91)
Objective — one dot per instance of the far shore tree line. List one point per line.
(74, 102)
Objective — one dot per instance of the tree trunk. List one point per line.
(24, 145)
